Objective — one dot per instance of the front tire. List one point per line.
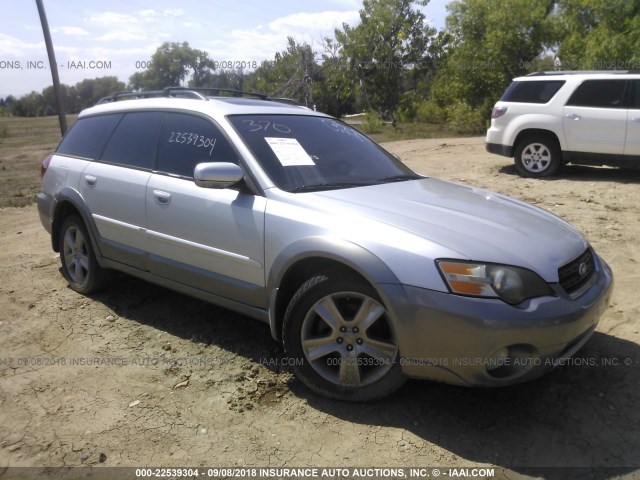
(341, 341)
(79, 264)
(538, 157)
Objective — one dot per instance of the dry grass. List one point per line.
(411, 131)
(24, 143)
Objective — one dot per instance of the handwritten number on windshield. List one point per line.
(344, 130)
(257, 125)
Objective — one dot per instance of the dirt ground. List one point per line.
(141, 376)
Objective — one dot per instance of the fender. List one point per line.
(349, 254)
(538, 121)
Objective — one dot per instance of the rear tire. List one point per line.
(340, 340)
(537, 157)
(79, 264)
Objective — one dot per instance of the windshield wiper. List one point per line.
(316, 187)
(399, 178)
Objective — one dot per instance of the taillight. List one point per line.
(45, 165)
(498, 112)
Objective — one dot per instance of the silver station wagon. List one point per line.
(366, 272)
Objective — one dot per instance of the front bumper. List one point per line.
(454, 339)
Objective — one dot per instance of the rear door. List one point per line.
(209, 239)
(114, 187)
(595, 117)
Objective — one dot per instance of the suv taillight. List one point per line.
(498, 112)
(45, 165)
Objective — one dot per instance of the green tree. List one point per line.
(390, 44)
(229, 79)
(30, 105)
(69, 100)
(597, 35)
(298, 74)
(291, 74)
(90, 91)
(174, 64)
(202, 70)
(82, 95)
(9, 101)
(489, 43)
(333, 89)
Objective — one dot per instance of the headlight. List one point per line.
(512, 285)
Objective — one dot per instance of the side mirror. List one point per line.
(217, 175)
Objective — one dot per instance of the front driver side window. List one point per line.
(187, 140)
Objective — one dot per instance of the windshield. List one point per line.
(306, 153)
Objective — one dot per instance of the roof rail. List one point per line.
(577, 72)
(234, 93)
(288, 101)
(184, 92)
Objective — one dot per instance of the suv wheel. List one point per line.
(537, 157)
(340, 337)
(79, 264)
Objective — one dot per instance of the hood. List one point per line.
(478, 224)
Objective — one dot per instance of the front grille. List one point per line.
(577, 273)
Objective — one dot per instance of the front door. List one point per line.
(209, 239)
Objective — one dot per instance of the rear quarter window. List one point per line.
(87, 137)
(538, 91)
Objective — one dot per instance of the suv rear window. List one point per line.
(599, 93)
(88, 135)
(538, 91)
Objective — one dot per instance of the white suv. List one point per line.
(548, 119)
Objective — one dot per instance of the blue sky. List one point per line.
(97, 38)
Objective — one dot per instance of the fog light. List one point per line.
(498, 359)
(512, 362)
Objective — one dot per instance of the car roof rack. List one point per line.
(578, 72)
(185, 92)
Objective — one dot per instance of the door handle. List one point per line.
(162, 197)
(90, 179)
(573, 116)
(636, 119)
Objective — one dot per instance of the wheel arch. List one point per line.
(533, 132)
(70, 202)
(305, 258)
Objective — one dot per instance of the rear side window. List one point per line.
(88, 135)
(538, 91)
(634, 94)
(134, 142)
(187, 140)
(599, 93)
